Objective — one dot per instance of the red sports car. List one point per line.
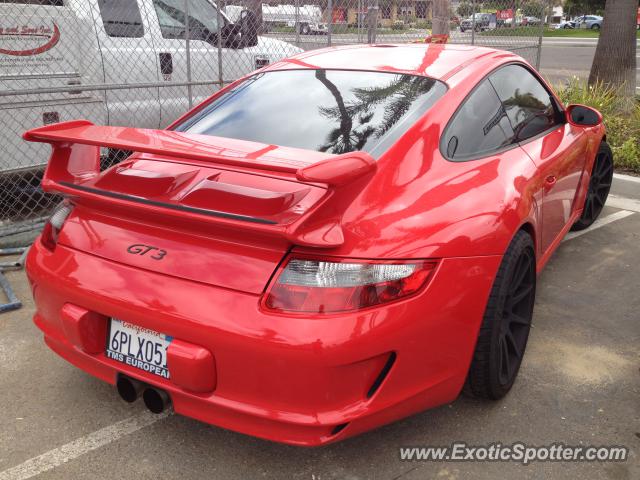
(341, 239)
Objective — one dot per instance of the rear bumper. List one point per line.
(284, 378)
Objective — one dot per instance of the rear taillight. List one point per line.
(52, 228)
(322, 286)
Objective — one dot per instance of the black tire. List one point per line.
(503, 335)
(595, 26)
(599, 186)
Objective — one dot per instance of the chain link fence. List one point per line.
(143, 63)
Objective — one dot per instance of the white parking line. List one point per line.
(626, 178)
(624, 203)
(58, 456)
(601, 222)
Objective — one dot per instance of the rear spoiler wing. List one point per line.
(75, 163)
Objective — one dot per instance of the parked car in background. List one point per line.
(507, 23)
(482, 22)
(531, 21)
(592, 22)
(566, 24)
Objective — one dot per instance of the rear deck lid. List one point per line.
(195, 252)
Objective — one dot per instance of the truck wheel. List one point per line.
(599, 186)
(507, 320)
(304, 29)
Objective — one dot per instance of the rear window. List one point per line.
(334, 111)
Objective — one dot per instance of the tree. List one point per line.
(533, 9)
(614, 63)
(441, 17)
(583, 7)
(465, 9)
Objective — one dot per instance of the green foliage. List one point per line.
(423, 25)
(465, 10)
(627, 155)
(623, 129)
(533, 9)
(598, 96)
(584, 7)
(571, 32)
(507, 31)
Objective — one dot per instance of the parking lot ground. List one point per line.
(579, 385)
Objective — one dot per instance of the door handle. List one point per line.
(166, 63)
(550, 181)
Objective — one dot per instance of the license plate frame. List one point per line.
(138, 347)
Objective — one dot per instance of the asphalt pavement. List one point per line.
(562, 58)
(579, 385)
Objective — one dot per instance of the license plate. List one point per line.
(139, 347)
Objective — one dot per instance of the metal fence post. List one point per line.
(540, 35)
(473, 22)
(359, 20)
(219, 42)
(297, 22)
(187, 37)
(330, 24)
(372, 21)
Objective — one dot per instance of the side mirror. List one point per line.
(583, 116)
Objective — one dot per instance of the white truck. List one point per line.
(130, 55)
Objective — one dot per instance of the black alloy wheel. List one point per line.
(504, 332)
(516, 318)
(599, 186)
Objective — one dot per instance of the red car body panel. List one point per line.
(301, 379)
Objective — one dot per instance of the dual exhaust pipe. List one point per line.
(155, 399)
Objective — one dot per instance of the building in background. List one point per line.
(353, 12)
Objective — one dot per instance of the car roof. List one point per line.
(431, 60)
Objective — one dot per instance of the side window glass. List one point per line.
(528, 104)
(121, 18)
(479, 127)
(203, 19)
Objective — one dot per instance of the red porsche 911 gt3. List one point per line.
(336, 241)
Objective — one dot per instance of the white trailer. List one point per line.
(308, 18)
